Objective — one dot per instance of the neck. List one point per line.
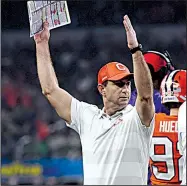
(111, 108)
(174, 111)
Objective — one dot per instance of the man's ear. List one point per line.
(101, 89)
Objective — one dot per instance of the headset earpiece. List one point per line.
(166, 56)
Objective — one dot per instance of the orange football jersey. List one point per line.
(165, 160)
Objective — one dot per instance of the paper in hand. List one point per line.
(55, 12)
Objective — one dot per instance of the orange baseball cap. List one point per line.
(113, 71)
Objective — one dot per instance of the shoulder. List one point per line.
(164, 116)
(85, 107)
(160, 115)
(129, 109)
(136, 124)
(82, 115)
(130, 112)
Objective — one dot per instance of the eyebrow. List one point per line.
(119, 81)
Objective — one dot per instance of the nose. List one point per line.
(125, 88)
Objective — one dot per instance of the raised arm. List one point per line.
(142, 77)
(59, 98)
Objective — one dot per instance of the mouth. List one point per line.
(125, 98)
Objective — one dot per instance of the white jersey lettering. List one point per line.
(168, 126)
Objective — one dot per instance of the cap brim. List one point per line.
(121, 76)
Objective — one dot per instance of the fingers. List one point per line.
(46, 25)
(36, 36)
(125, 17)
(127, 23)
(44, 34)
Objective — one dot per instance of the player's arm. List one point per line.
(59, 98)
(142, 78)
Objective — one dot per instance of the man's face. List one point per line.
(118, 92)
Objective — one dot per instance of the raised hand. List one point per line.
(44, 35)
(130, 32)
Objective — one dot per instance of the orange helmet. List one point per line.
(173, 87)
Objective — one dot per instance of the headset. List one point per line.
(167, 57)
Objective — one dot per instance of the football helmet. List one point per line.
(173, 87)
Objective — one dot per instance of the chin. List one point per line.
(124, 103)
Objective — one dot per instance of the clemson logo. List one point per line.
(120, 67)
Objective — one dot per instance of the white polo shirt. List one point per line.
(182, 137)
(115, 149)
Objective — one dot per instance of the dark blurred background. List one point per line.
(37, 147)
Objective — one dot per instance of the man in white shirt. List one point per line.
(115, 140)
(182, 137)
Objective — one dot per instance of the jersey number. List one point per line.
(167, 158)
